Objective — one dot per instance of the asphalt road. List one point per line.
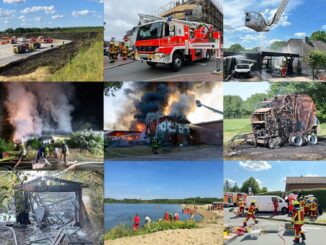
(274, 232)
(138, 71)
(206, 153)
(7, 55)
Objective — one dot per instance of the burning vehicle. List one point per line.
(286, 119)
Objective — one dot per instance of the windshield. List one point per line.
(242, 66)
(150, 31)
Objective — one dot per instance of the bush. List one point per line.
(87, 140)
(34, 143)
(272, 193)
(126, 231)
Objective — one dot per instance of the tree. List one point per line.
(318, 36)
(251, 182)
(235, 188)
(236, 48)
(110, 88)
(278, 45)
(232, 106)
(317, 60)
(264, 189)
(251, 103)
(227, 185)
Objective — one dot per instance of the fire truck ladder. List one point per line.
(278, 14)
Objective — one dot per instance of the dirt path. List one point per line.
(210, 231)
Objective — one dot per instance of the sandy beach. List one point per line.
(210, 231)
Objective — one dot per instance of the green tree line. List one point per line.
(21, 30)
(236, 107)
(251, 182)
(192, 200)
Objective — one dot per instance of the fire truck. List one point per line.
(171, 41)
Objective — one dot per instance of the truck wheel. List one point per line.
(177, 62)
(208, 55)
(151, 64)
(313, 139)
(284, 210)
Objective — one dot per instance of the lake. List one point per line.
(118, 213)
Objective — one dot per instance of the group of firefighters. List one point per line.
(167, 217)
(115, 48)
(43, 153)
(298, 210)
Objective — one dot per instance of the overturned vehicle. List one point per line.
(286, 119)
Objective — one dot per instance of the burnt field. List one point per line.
(287, 152)
(42, 66)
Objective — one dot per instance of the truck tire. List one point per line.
(284, 210)
(151, 64)
(177, 62)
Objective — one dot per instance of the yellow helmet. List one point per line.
(296, 203)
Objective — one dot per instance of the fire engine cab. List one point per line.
(171, 41)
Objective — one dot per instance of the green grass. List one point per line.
(87, 65)
(233, 127)
(126, 231)
(323, 129)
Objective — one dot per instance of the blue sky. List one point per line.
(301, 18)
(50, 13)
(245, 90)
(150, 180)
(271, 174)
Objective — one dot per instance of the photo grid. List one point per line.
(162, 122)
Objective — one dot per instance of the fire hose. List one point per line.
(13, 232)
(281, 232)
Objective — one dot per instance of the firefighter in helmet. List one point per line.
(155, 145)
(313, 209)
(251, 213)
(241, 206)
(124, 51)
(298, 222)
(22, 154)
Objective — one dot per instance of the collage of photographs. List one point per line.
(166, 122)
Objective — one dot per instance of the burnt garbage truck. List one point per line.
(285, 119)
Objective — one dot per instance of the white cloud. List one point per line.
(6, 13)
(300, 34)
(79, 13)
(283, 180)
(260, 183)
(311, 175)
(58, 16)
(255, 166)
(13, 1)
(231, 181)
(37, 19)
(45, 9)
(323, 27)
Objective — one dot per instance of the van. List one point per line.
(265, 203)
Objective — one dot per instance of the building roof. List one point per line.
(306, 180)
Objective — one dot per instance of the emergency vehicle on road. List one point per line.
(171, 41)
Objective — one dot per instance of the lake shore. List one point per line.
(209, 231)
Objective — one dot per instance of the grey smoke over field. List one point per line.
(34, 108)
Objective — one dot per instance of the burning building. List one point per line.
(169, 130)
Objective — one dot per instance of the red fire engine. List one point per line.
(171, 41)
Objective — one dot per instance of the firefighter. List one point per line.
(307, 208)
(124, 51)
(290, 206)
(155, 145)
(64, 152)
(241, 206)
(284, 69)
(298, 222)
(251, 213)
(21, 156)
(313, 209)
(302, 202)
(39, 154)
(275, 204)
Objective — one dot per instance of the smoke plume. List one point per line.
(34, 108)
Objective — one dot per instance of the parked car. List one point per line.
(243, 70)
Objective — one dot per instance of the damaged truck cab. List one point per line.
(286, 119)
